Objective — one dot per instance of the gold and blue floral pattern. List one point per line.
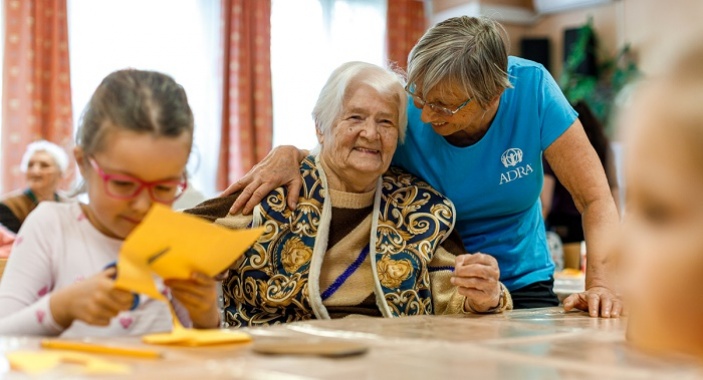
(270, 284)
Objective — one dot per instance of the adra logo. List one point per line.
(511, 158)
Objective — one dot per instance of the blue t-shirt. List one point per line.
(495, 184)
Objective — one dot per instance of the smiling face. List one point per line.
(126, 152)
(43, 174)
(359, 146)
(470, 122)
(662, 245)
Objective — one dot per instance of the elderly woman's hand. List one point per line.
(281, 167)
(597, 300)
(477, 278)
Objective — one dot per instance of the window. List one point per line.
(180, 38)
(309, 39)
(2, 60)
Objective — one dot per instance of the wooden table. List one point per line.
(532, 344)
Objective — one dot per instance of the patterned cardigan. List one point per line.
(277, 279)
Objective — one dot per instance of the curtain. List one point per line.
(247, 120)
(36, 83)
(406, 23)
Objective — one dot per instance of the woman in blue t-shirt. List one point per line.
(478, 125)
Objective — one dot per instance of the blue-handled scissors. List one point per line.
(135, 296)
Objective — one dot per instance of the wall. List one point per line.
(650, 26)
(440, 5)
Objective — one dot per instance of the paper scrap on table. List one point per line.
(173, 245)
(191, 337)
(38, 362)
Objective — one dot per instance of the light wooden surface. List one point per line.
(533, 344)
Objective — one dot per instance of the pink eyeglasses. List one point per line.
(122, 186)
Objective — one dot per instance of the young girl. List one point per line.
(662, 244)
(132, 147)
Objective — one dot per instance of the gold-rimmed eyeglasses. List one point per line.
(444, 111)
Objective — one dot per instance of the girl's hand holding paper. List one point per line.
(187, 253)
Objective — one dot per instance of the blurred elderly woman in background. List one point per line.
(44, 164)
(364, 238)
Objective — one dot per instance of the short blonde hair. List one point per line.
(471, 52)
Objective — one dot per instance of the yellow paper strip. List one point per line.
(99, 349)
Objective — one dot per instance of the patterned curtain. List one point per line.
(406, 23)
(247, 121)
(36, 83)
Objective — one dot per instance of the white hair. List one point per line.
(55, 151)
(330, 103)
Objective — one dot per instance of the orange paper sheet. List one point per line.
(174, 245)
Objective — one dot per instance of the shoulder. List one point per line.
(213, 209)
(52, 213)
(524, 74)
(414, 197)
(398, 179)
(522, 66)
(14, 195)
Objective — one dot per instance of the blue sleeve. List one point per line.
(557, 115)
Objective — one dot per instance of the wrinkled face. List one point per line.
(662, 246)
(43, 174)
(361, 143)
(467, 119)
(139, 155)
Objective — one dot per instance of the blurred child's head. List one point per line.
(663, 247)
(132, 146)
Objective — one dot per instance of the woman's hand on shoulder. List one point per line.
(94, 301)
(198, 295)
(477, 277)
(281, 167)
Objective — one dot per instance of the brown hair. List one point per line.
(136, 100)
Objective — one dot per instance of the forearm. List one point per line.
(600, 219)
(446, 299)
(35, 319)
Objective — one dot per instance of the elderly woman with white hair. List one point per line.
(365, 238)
(44, 163)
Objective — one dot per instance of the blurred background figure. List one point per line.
(661, 245)
(558, 209)
(44, 163)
